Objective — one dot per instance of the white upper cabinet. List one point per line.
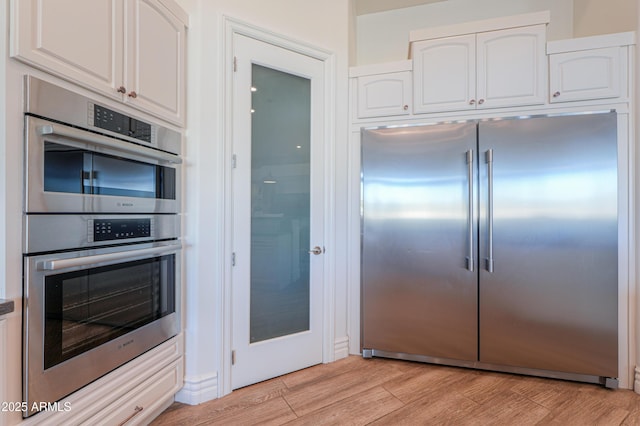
(383, 89)
(129, 50)
(486, 70)
(444, 74)
(589, 68)
(494, 63)
(155, 47)
(80, 40)
(511, 67)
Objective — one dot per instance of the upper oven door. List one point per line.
(69, 170)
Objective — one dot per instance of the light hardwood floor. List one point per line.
(355, 391)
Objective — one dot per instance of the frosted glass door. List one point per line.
(278, 211)
(280, 179)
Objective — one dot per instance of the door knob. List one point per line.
(133, 94)
(316, 250)
(122, 89)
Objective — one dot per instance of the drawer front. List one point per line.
(138, 405)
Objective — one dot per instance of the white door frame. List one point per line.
(231, 27)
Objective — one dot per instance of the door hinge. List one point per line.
(233, 161)
(233, 357)
(235, 63)
(233, 259)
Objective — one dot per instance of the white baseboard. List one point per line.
(199, 389)
(636, 383)
(341, 348)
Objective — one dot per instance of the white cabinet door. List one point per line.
(585, 75)
(78, 40)
(492, 69)
(155, 52)
(511, 67)
(384, 94)
(444, 73)
(143, 403)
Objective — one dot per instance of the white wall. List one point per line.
(593, 17)
(324, 25)
(637, 162)
(11, 161)
(384, 36)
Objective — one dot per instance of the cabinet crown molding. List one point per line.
(500, 23)
(592, 42)
(382, 68)
(177, 11)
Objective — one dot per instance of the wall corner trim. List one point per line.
(198, 389)
(341, 348)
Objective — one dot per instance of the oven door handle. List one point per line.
(59, 264)
(86, 137)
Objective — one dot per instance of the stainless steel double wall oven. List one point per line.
(101, 239)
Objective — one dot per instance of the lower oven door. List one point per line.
(86, 313)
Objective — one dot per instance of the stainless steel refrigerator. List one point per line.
(493, 244)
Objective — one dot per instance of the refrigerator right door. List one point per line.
(548, 286)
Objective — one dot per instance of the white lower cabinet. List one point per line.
(3, 365)
(145, 401)
(133, 394)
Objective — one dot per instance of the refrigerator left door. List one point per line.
(419, 234)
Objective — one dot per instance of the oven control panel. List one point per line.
(107, 119)
(119, 229)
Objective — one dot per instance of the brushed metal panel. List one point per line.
(57, 103)
(551, 302)
(418, 295)
(607, 382)
(52, 232)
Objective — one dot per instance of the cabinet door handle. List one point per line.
(472, 102)
(136, 411)
(62, 134)
(406, 107)
(133, 94)
(122, 89)
(489, 160)
(470, 211)
(481, 101)
(556, 94)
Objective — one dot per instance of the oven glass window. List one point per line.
(84, 309)
(74, 170)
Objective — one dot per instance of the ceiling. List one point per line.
(372, 6)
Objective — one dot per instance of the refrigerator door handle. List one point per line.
(489, 160)
(470, 211)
